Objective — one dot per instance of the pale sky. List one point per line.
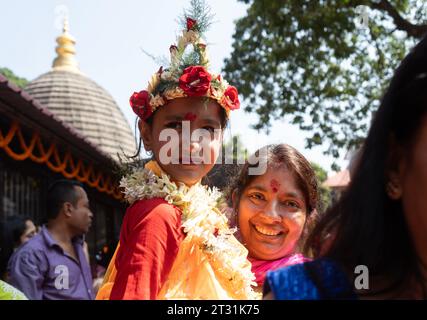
(109, 37)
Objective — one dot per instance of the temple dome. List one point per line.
(82, 103)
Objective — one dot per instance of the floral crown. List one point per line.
(187, 74)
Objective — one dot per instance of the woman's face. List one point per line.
(30, 231)
(271, 215)
(185, 138)
(413, 179)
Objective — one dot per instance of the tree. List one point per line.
(324, 192)
(234, 149)
(322, 65)
(20, 82)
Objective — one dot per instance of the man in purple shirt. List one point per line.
(52, 265)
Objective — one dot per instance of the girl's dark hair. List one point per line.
(365, 225)
(221, 175)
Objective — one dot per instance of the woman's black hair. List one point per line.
(365, 225)
(11, 231)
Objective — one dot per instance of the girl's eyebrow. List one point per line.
(258, 187)
(181, 118)
(212, 122)
(287, 194)
(293, 195)
(174, 117)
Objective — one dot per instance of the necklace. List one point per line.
(204, 225)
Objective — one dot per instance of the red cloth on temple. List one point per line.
(149, 241)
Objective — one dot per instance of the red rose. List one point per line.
(216, 232)
(140, 103)
(195, 81)
(231, 98)
(190, 24)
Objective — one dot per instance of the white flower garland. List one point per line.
(200, 219)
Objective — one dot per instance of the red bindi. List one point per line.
(275, 185)
(190, 116)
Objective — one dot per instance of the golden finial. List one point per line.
(66, 52)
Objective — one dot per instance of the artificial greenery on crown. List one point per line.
(186, 75)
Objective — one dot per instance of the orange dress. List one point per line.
(149, 242)
(183, 251)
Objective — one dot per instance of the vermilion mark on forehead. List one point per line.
(275, 185)
(190, 116)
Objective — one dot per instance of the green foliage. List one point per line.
(192, 58)
(20, 82)
(236, 147)
(189, 51)
(163, 86)
(200, 12)
(310, 62)
(325, 192)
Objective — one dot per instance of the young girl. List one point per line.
(174, 242)
(274, 210)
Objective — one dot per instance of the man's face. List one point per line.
(80, 215)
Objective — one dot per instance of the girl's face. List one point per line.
(271, 215)
(185, 138)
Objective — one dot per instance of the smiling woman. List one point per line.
(274, 210)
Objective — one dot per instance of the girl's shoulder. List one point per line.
(154, 209)
(319, 279)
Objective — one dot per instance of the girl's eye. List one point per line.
(291, 204)
(256, 197)
(174, 125)
(209, 128)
